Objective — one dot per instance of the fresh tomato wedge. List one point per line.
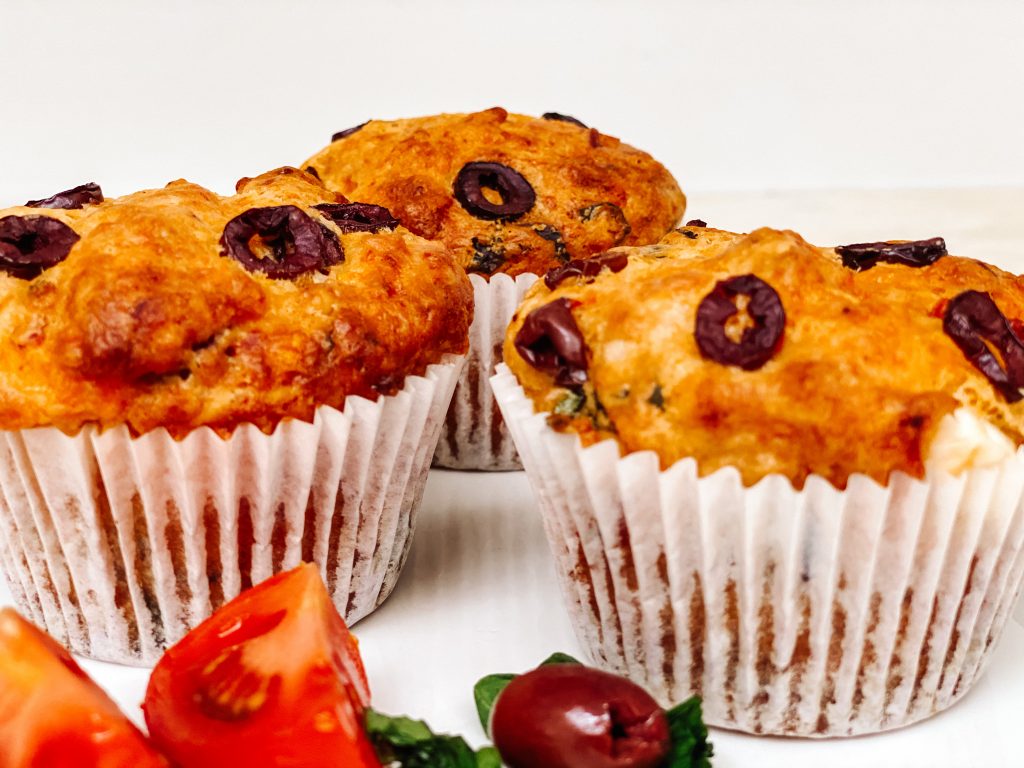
(52, 715)
(273, 678)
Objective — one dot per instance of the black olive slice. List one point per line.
(347, 132)
(550, 341)
(616, 262)
(918, 253)
(759, 342)
(297, 243)
(972, 318)
(76, 197)
(30, 244)
(358, 217)
(563, 118)
(517, 196)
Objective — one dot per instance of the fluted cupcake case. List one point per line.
(118, 545)
(474, 434)
(817, 612)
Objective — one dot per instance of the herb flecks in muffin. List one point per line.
(760, 334)
(609, 216)
(657, 398)
(30, 244)
(488, 255)
(917, 253)
(977, 325)
(571, 403)
(292, 243)
(553, 236)
(510, 193)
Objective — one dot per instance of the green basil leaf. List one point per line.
(560, 658)
(407, 743)
(485, 693)
(690, 745)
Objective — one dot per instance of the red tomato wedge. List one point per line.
(52, 715)
(273, 678)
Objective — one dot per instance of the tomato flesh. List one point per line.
(52, 715)
(273, 678)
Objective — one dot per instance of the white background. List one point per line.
(731, 95)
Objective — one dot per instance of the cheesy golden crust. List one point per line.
(860, 377)
(148, 321)
(592, 191)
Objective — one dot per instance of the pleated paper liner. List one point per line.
(814, 613)
(118, 546)
(474, 434)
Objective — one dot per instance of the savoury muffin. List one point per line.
(197, 391)
(512, 197)
(784, 477)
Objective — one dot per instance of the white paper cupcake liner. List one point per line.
(118, 546)
(474, 434)
(814, 613)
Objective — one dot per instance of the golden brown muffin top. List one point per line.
(767, 354)
(505, 192)
(149, 318)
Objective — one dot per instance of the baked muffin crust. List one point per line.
(860, 378)
(586, 192)
(149, 322)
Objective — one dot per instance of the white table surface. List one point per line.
(479, 592)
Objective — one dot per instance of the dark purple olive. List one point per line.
(30, 244)
(313, 172)
(696, 223)
(571, 716)
(614, 261)
(919, 253)
(759, 342)
(550, 341)
(348, 131)
(76, 197)
(358, 217)
(517, 196)
(296, 243)
(974, 322)
(563, 118)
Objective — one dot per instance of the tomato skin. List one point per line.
(273, 678)
(52, 715)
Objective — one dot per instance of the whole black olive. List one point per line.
(571, 716)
